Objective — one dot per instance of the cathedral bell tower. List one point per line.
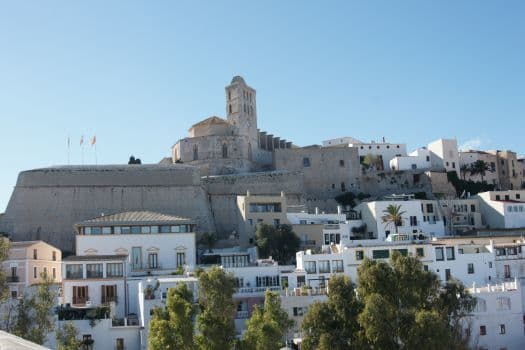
(241, 108)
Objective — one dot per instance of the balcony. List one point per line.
(67, 313)
(331, 227)
(107, 299)
(74, 275)
(13, 279)
(94, 274)
(250, 290)
(242, 315)
(80, 300)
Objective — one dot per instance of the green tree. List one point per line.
(333, 324)
(346, 199)
(209, 240)
(393, 215)
(4, 251)
(404, 307)
(66, 337)
(41, 307)
(479, 167)
(215, 321)
(22, 318)
(280, 242)
(266, 328)
(172, 327)
(464, 169)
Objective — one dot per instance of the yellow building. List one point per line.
(259, 209)
(26, 262)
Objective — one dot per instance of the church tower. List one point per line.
(241, 108)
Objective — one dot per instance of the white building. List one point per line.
(444, 154)
(155, 243)
(384, 151)
(503, 209)
(497, 321)
(419, 159)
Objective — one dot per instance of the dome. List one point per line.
(238, 79)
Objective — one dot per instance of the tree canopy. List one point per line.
(393, 215)
(280, 242)
(215, 320)
(172, 327)
(399, 306)
(266, 328)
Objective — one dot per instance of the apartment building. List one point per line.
(26, 262)
(503, 209)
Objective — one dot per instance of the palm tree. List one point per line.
(393, 215)
(479, 167)
(464, 169)
(208, 240)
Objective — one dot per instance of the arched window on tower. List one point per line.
(249, 151)
(224, 151)
(195, 152)
(229, 95)
(230, 108)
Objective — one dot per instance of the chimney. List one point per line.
(316, 210)
(248, 193)
(339, 209)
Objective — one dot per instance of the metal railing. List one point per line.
(12, 279)
(244, 290)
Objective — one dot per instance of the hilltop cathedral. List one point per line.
(228, 146)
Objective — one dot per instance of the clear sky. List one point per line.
(138, 74)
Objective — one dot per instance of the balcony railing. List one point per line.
(331, 227)
(242, 315)
(94, 274)
(79, 300)
(247, 290)
(107, 299)
(74, 275)
(12, 279)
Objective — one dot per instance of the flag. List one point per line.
(81, 140)
(93, 140)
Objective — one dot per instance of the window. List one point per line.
(224, 151)
(413, 221)
(482, 330)
(512, 251)
(35, 255)
(490, 264)
(498, 197)
(324, 266)
(276, 222)
(87, 342)
(502, 304)
(114, 270)
(448, 275)
(341, 163)
(481, 305)
(136, 258)
(302, 222)
(181, 259)
(470, 268)
(120, 344)
(74, 271)
(430, 208)
(250, 221)
(439, 254)
(35, 272)
(54, 257)
(135, 230)
(265, 207)
(501, 251)
(453, 165)
(472, 208)
(195, 152)
(518, 196)
(80, 294)
(310, 267)
(359, 255)
(403, 252)
(450, 253)
(381, 254)
(337, 266)
(54, 273)
(14, 294)
(266, 281)
(125, 230)
(108, 293)
(343, 187)
(94, 270)
(306, 162)
(420, 252)
(506, 269)
(153, 260)
(425, 267)
(501, 329)
(145, 229)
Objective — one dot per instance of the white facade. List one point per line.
(444, 154)
(419, 159)
(503, 209)
(171, 250)
(497, 321)
(413, 221)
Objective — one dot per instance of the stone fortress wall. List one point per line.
(47, 202)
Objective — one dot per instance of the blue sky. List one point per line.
(138, 74)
